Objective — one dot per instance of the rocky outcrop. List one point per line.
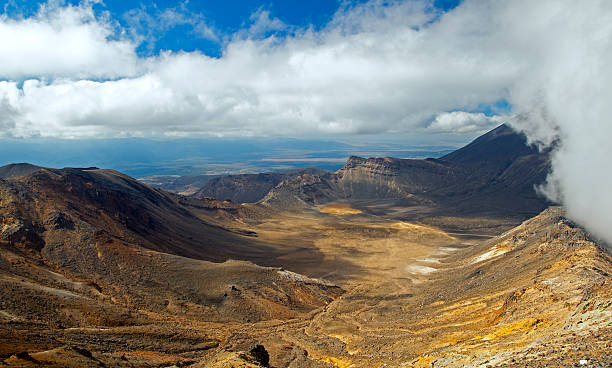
(387, 177)
(21, 234)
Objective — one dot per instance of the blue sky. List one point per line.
(224, 17)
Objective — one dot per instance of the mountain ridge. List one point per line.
(243, 188)
(475, 180)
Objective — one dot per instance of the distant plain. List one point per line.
(139, 157)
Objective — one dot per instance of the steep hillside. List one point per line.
(125, 209)
(497, 166)
(388, 177)
(493, 150)
(90, 247)
(247, 188)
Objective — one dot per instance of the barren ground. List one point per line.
(414, 295)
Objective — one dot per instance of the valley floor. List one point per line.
(413, 296)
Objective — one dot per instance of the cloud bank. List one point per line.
(375, 68)
(381, 67)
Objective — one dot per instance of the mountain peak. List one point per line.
(500, 144)
(18, 169)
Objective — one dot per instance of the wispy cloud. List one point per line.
(148, 23)
(262, 24)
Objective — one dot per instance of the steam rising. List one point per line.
(566, 96)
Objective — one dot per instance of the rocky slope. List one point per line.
(83, 248)
(121, 208)
(538, 295)
(497, 166)
(16, 170)
(246, 188)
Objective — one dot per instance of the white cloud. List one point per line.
(64, 41)
(462, 122)
(374, 68)
(566, 96)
